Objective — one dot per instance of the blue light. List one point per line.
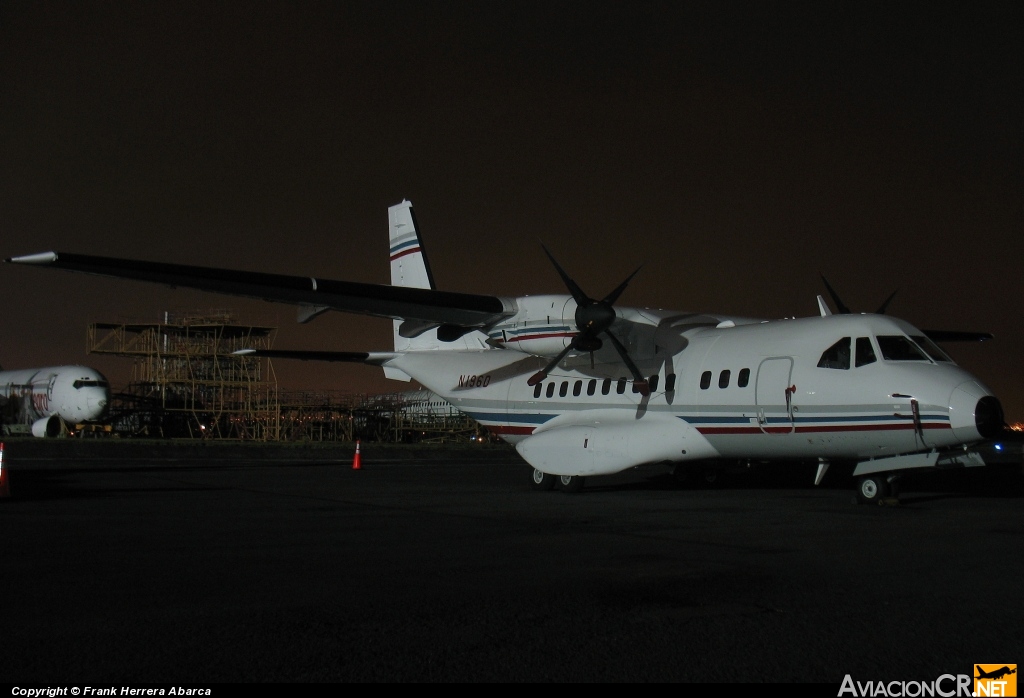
(999, 447)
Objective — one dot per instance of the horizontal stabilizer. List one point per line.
(309, 312)
(956, 336)
(375, 358)
(396, 302)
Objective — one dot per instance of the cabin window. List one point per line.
(723, 379)
(563, 389)
(670, 382)
(85, 382)
(705, 380)
(653, 382)
(592, 386)
(837, 355)
(899, 348)
(743, 380)
(577, 388)
(931, 349)
(536, 389)
(551, 389)
(606, 386)
(621, 387)
(865, 352)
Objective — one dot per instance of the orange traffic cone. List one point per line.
(357, 462)
(5, 484)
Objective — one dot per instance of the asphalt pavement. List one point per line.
(208, 570)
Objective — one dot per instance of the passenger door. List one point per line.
(774, 395)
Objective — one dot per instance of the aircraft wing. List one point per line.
(376, 358)
(397, 302)
(956, 336)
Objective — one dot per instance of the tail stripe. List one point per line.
(396, 255)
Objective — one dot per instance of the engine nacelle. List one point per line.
(47, 426)
(544, 325)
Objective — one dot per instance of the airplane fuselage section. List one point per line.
(584, 386)
(72, 393)
(756, 390)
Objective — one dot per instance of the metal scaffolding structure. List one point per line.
(410, 417)
(187, 383)
(318, 415)
(420, 417)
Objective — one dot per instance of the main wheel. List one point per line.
(541, 481)
(872, 488)
(681, 475)
(570, 483)
(712, 478)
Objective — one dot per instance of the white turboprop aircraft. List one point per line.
(585, 388)
(48, 399)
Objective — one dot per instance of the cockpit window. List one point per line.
(865, 353)
(899, 348)
(85, 383)
(931, 349)
(837, 355)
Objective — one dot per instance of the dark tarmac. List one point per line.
(202, 571)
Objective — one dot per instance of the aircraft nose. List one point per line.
(974, 413)
(96, 406)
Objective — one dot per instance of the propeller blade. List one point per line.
(639, 382)
(592, 319)
(577, 293)
(883, 306)
(543, 373)
(957, 336)
(614, 295)
(934, 335)
(835, 297)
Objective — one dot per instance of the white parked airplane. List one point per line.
(47, 399)
(585, 388)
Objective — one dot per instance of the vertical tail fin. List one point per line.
(409, 265)
(410, 268)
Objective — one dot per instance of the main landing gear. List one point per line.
(543, 481)
(570, 483)
(695, 475)
(872, 489)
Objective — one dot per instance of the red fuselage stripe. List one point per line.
(527, 338)
(527, 430)
(774, 429)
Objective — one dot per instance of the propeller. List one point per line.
(593, 319)
(846, 311)
(934, 335)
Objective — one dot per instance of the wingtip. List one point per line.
(38, 258)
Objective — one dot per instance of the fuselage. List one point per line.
(73, 393)
(839, 386)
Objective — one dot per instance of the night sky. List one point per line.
(736, 150)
